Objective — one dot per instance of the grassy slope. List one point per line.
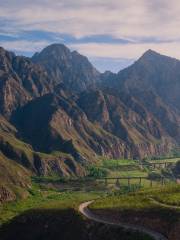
(51, 205)
(139, 200)
(44, 199)
(123, 168)
(140, 209)
(54, 209)
(14, 177)
(17, 161)
(169, 160)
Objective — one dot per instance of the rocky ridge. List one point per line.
(59, 114)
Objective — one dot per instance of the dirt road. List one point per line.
(84, 210)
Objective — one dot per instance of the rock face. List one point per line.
(6, 195)
(156, 73)
(151, 87)
(59, 104)
(61, 125)
(129, 120)
(20, 81)
(71, 68)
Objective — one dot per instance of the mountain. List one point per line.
(58, 114)
(71, 68)
(153, 80)
(159, 73)
(55, 122)
(20, 81)
(128, 119)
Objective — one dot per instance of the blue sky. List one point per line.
(112, 34)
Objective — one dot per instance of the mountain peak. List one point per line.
(150, 53)
(53, 50)
(56, 46)
(152, 56)
(70, 67)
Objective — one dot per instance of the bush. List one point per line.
(97, 172)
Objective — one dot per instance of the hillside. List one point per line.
(59, 114)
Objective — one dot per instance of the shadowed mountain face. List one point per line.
(71, 68)
(59, 103)
(20, 82)
(154, 73)
(154, 81)
(157, 73)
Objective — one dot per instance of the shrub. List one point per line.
(97, 172)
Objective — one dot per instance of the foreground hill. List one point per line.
(59, 114)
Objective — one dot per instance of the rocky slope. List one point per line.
(129, 120)
(154, 81)
(61, 125)
(20, 81)
(59, 104)
(71, 68)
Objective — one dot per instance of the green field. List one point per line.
(140, 208)
(58, 211)
(170, 160)
(169, 194)
(46, 199)
(51, 194)
(123, 168)
(119, 162)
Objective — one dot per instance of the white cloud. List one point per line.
(130, 51)
(128, 19)
(24, 46)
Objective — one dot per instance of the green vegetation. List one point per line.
(173, 154)
(54, 192)
(143, 207)
(112, 163)
(13, 143)
(114, 168)
(97, 172)
(176, 152)
(169, 160)
(169, 194)
(115, 165)
(128, 168)
(45, 199)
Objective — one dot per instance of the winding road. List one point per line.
(84, 210)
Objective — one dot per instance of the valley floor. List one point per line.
(51, 210)
(49, 213)
(53, 215)
(155, 209)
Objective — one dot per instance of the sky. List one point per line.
(111, 33)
